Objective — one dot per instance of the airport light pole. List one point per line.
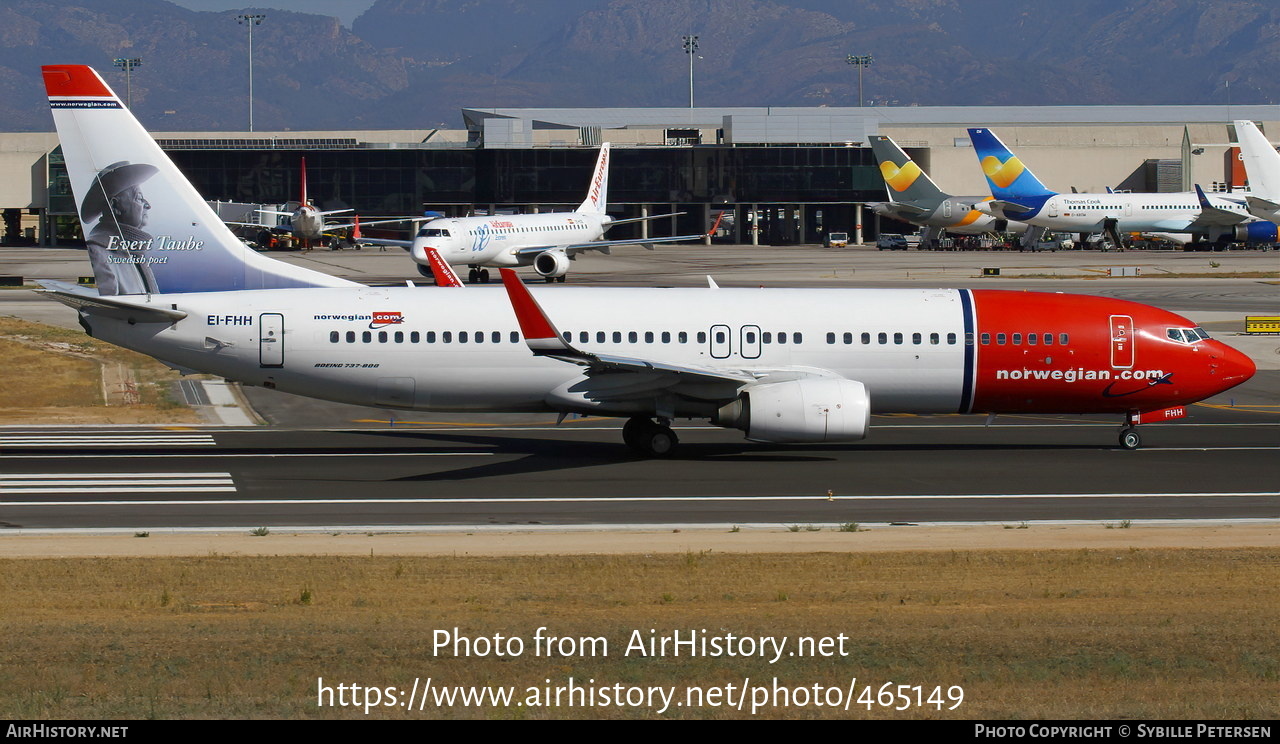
(127, 64)
(691, 49)
(861, 60)
(251, 20)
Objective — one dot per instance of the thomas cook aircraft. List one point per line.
(1019, 195)
(915, 198)
(782, 365)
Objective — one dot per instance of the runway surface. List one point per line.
(1222, 464)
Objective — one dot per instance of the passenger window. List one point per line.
(415, 337)
(986, 339)
(797, 338)
(848, 337)
(632, 337)
(751, 337)
(782, 338)
(720, 337)
(351, 337)
(767, 337)
(462, 337)
(382, 337)
(333, 337)
(1017, 339)
(702, 337)
(666, 337)
(882, 337)
(479, 337)
(916, 338)
(515, 337)
(866, 338)
(1031, 339)
(617, 337)
(447, 337)
(1064, 339)
(1000, 339)
(935, 339)
(399, 337)
(599, 337)
(431, 337)
(897, 338)
(648, 337)
(1048, 339)
(683, 337)
(583, 337)
(366, 337)
(497, 337)
(831, 338)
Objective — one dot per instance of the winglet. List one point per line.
(539, 333)
(441, 270)
(712, 232)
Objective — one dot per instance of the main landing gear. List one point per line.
(648, 437)
(477, 276)
(554, 279)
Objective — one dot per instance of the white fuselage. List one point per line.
(419, 348)
(1087, 213)
(497, 240)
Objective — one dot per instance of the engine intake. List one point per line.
(551, 264)
(798, 411)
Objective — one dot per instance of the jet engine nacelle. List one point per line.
(825, 409)
(1256, 232)
(551, 264)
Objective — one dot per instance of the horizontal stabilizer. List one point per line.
(644, 219)
(111, 307)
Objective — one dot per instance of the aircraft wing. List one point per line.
(347, 225)
(643, 219)
(272, 228)
(405, 244)
(1211, 215)
(113, 307)
(607, 378)
(601, 245)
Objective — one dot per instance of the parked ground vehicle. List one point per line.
(891, 242)
(837, 240)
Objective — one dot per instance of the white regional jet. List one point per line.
(546, 241)
(783, 365)
(1262, 164)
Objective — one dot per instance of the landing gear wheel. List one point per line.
(472, 276)
(649, 438)
(1129, 439)
(484, 276)
(426, 271)
(549, 279)
(561, 279)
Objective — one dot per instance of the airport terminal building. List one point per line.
(779, 175)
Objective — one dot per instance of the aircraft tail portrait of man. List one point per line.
(117, 244)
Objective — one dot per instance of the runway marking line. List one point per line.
(643, 499)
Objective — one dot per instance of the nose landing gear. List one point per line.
(1129, 438)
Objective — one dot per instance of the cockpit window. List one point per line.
(433, 232)
(1187, 335)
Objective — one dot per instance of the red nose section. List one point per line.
(1235, 367)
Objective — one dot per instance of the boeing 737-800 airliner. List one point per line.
(783, 365)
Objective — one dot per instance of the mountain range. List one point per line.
(412, 64)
